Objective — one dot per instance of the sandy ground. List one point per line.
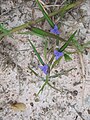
(19, 84)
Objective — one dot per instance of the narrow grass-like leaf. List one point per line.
(67, 57)
(37, 54)
(38, 31)
(65, 8)
(4, 32)
(63, 72)
(32, 71)
(55, 63)
(31, 33)
(87, 44)
(51, 60)
(3, 29)
(67, 43)
(26, 33)
(45, 83)
(70, 52)
(57, 42)
(77, 45)
(50, 49)
(45, 14)
(46, 34)
(42, 33)
(54, 87)
(42, 78)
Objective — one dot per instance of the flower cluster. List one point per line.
(45, 67)
(57, 54)
(57, 32)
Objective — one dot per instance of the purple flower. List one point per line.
(44, 68)
(55, 30)
(58, 54)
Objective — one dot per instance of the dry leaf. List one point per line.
(18, 106)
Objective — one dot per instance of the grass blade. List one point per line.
(45, 14)
(55, 63)
(46, 34)
(39, 77)
(42, 33)
(77, 45)
(37, 54)
(33, 71)
(45, 83)
(3, 29)
(67, 57)
(51, 60)
(63, 72)
(54, 87)
(67, 43)
(87, 44)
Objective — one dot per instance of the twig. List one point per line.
(79, 113)
(83, 75)
(55, 88)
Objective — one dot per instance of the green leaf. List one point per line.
(26, 33)
(31, 33)
(70, 52)
(3, 29)
(45, 83)
(51, 60)
(37, 54)
(67, 43)
(56, 62)
(63, 72)
(54, 87)
(32, 71)
(4, 32)
(45, 14)
(42, 78)
(57, 42)
(46, 34)
(42, 33)
(87, 44)
(77, 45)
(67, 57)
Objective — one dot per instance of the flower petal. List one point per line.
(55, 30)
(41, 67)
(55, 27)
(44, 68)
(52, 31)
(58, 54)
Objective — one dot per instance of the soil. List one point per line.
(19, 85)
